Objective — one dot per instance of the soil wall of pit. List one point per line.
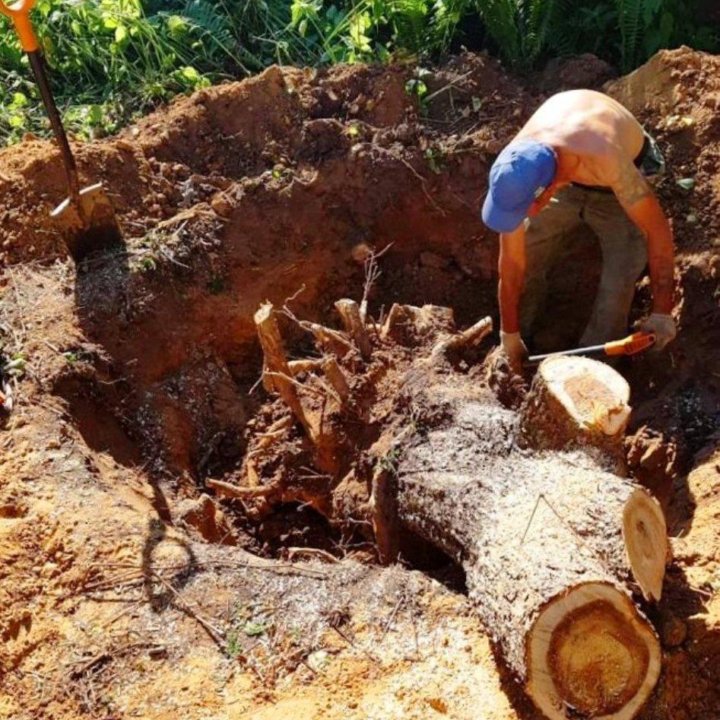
(139, 365)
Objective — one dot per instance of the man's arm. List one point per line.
(511, 269)
(642, 206)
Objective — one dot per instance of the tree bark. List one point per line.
(533, 504)
(577, 402)
(552, 545)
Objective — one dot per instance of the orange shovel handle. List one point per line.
(19, 13)
(635, 343)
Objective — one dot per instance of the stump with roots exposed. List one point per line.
(390, 429)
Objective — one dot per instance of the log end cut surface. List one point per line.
(591, 654)
(591, 392)
(645, 534)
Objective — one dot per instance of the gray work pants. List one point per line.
(624, 256)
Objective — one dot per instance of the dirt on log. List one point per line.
(546, 541)
(553, 545)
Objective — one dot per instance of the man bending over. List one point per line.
(581, 158)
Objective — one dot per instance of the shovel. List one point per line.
(85, 218)
(630, 345)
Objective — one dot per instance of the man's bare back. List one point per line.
(594, 128)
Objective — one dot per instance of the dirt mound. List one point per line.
(134, 382)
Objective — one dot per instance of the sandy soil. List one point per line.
(123, 592)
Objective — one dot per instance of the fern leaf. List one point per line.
(630, 13)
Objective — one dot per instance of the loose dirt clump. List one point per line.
(130, 585)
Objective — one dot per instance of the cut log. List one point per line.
(553, 545)
(532, 503)
(576, 401)
(591, 655)
(354, 326)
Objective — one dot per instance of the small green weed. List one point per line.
(417, 88)
(255, 629)
(15, 366)
(147, 264)
(435, 159)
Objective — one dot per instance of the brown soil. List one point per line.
(126, 591)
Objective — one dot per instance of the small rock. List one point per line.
(686, 183)
(203, 515)
(158, 652)
(673, 631)
(48, 570)
(221, 205)
(438, 704)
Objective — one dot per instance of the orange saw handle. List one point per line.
(19, 13)
(630, 345)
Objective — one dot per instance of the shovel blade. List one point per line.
(88, 225)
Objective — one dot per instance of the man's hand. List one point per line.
(662, 326)
(515, 349)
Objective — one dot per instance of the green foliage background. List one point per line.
(114, 59)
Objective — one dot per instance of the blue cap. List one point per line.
(519, 174)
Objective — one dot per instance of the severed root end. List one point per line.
(592, 393)
(591, 654)
(645, 535)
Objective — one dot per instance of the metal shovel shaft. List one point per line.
(38, 67)
(86, 218)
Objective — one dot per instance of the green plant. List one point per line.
(340, 33)
(112, 60)
(520, 29)
(435, 159)
(233, 644)
(255, 629)
(417, 88)
(14, 367)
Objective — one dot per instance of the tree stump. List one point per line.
(531, 502)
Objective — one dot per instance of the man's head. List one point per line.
(520, 175)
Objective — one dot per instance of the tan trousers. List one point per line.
(624, 256)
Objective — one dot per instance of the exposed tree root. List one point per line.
(531, 502)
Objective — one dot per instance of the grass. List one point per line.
(113, 60)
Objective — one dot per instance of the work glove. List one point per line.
(514, 348)
(663, 327)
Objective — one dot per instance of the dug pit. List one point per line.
(141, 398)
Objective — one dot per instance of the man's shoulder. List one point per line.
(580, 100)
